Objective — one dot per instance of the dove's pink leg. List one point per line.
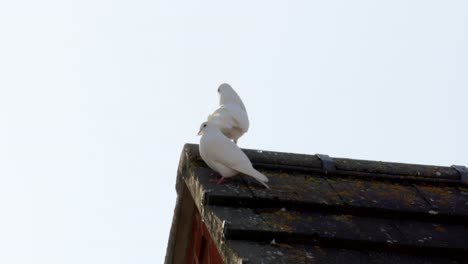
(220, 180)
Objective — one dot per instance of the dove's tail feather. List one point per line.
(259, 177)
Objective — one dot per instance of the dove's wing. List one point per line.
(230, 155)
(230, 116)
(222, 119)
(229, 96)
(239, 116)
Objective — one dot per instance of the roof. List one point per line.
(330, 210)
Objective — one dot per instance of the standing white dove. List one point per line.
(225, 157)
(231, 116)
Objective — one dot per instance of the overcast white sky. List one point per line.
(98, 97)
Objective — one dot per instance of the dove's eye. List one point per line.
(204, 125)
(219, 90)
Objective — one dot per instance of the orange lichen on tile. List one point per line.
(319, 249)
(439, 228)
(282, 220)
(283, 245)
(385, 190)
(282, 227)
(393, 191)
(298, 255)
(443, 195)
(343, 218)
(282, 175)
(287, 215)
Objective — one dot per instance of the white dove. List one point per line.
(231, 116)
(225, 157)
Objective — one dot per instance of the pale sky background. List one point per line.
(97, 99)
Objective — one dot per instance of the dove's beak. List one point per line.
(199, 133)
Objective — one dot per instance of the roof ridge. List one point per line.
(454, 174)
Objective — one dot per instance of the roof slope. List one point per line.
(331, 210)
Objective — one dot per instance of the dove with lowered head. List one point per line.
(231, 116)
(224, 156)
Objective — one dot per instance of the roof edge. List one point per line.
(181, 170)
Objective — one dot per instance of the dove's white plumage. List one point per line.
(231, 116)
(225, 157)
